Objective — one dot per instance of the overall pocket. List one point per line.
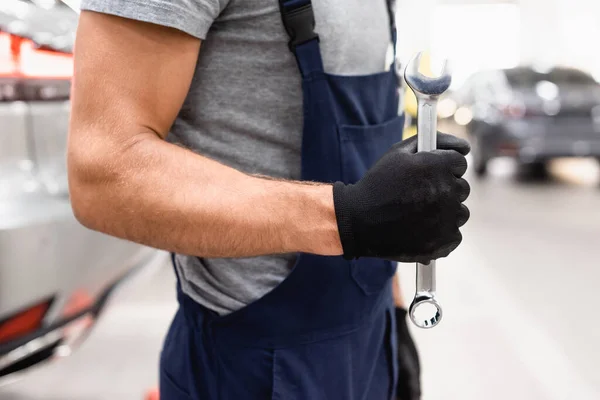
(361, 147)
(352, 366)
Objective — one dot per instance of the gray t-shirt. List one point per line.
(244, 107)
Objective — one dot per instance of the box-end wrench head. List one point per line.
(425, 311)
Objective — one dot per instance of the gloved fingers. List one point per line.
(408, 146)
(451, 246)
(424, 260)
(463, 215)
(451, 142)
(456, 162)
(444, 142)
(464, 189)
(458, 238)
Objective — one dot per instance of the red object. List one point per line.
(152, 394)
(79, 301)
(23, 323)
(20, 58)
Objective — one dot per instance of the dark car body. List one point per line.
(531, 115)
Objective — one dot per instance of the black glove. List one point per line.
(408, 206)
(409, 367)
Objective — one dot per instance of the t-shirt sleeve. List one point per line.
(193, 17)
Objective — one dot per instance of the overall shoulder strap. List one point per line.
(299, 22)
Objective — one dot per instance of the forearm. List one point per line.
(167, 197)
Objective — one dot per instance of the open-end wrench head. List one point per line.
(424, 85)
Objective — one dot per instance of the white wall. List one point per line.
(579, 34)
(503, 33)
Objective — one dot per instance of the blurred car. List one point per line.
(530, 114)
(55, 275)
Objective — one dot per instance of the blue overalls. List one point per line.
(327, 332)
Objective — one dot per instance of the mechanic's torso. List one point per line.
(244, 109)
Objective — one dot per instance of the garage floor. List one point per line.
(520, 297)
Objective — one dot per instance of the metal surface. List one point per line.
(425, 311)
(44, 252)
(70, 334)
(32, 347)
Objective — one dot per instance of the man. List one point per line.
(265, 152)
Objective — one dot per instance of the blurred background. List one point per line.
(519, 296)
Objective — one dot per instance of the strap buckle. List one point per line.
(300, 25)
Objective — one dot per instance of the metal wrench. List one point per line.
(425, 311)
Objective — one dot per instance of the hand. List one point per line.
(408, 206)
(409, 367)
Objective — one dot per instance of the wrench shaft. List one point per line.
(426, 141)
(426, 277)
(427, 124)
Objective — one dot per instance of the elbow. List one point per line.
(83, 205)
(89, 184)
(100, 172)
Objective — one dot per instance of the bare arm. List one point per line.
(131, 79)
